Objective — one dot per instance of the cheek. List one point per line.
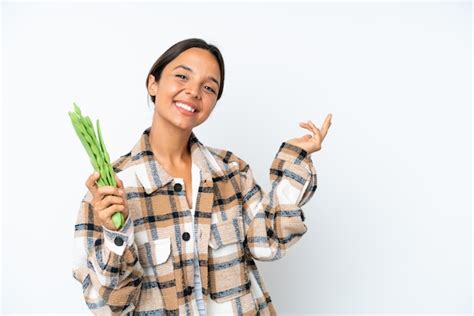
(172, 89)
(208, 109)
(169, 87)
(210, 100)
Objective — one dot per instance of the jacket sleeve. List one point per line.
(274, 221)
(107, 268)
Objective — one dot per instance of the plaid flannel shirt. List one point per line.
(147, 267)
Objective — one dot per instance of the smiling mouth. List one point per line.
(185, 106)
(185, 109)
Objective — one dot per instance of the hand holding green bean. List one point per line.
(107, 200)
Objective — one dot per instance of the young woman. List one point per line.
(195, 217)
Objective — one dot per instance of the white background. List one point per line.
(389, 228)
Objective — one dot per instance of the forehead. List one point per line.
(201, 61)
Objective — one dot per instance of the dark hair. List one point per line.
(177, 49)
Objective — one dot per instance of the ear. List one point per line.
(152, 85)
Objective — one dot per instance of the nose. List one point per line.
(194, 91)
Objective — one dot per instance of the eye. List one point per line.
(184, 77)
(213, 91)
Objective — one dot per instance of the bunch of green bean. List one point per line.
(98, 155)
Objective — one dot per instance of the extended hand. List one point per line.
(312, 142)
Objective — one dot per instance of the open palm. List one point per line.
(312, 142)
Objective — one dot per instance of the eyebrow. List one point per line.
(190, 70)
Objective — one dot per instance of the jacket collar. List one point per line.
(153, 176)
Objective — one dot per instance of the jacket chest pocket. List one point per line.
(228, 274)
(155, 258)
(159, 284)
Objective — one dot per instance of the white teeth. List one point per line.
(184, 106)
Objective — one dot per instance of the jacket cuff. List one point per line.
(294, 162)
(296, 165)
(117, 241)
(295, 154)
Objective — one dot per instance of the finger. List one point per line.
(314, 128)
(120, 186)
(91, 182)
(107, 201)
(328, 119)
(107, 213)
(119, 181)
(112, 209)
(305, 125)
(308, 127)
(110, 200)
(108, 190)
(326, 124)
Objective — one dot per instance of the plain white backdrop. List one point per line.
(389, 228)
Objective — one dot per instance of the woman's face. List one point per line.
(192, 78)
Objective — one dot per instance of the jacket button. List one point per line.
(188, 291)
(186, 236)
(178, 187)
(118, 241)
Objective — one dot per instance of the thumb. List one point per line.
(119, 182)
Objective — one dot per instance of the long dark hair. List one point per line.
(177, 49)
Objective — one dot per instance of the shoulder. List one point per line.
(122, 163)
(227, 159)
(123, 168)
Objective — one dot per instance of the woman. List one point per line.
(195, 217)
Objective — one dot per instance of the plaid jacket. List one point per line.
(147, 267)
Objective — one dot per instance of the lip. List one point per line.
(183, 111)
(194, 106)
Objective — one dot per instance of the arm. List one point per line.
(110, 273)
(273, 221)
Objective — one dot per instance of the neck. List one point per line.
(169, 143)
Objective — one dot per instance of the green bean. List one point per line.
(84, 137)
(77, 109)
(117, 219)
(77, 128)
(88, 139)
(114, 183)
(91, 131)
(101, 141)
(97, 152)
(106, 156)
